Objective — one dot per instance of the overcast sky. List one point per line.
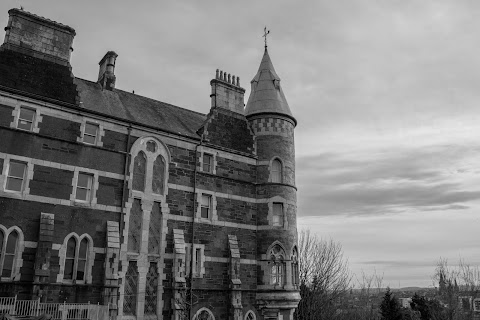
(386, 94)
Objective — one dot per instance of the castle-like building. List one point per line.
(158, 211)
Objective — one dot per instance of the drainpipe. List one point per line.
(125, 172)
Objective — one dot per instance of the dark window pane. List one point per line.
(12, 243)
(84, 180)
(27, 114)
(7, 265)
(158, 175)
(14, 184)
(71, 244)
(139, 165)
(25, 125)
(83, 249)
(81, 270)
(88, 139)
(68, 274)
(1, 242)
(91, 129)
(207, 162)
(17, 169)
(82, 194)
(204, 213)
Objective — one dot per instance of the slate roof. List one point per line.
(267, 95)
(142, 110)
(39, 78)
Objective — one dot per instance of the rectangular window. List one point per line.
(476, 305)
(90, 133)
(26, 119)
(16, 176)
(205, 205)
(198, 254)
(84, 187)
(207, 162)
(278, 214)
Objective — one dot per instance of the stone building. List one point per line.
(161, 212)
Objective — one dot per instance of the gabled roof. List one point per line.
(138, 109)
(266, 95)
(45, 80)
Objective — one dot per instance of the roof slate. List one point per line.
(142, 110)
(45, 79)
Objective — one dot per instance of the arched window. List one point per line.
(276, 171)
(250, 315)
(277, 265)
(204, 314)
(295, 273)
(8, 251)
(158, 178)
(76, 259)
(139, 169)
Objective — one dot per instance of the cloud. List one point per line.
(370, 182)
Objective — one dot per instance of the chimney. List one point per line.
(106, 73)
(39, 37)
(227, 93)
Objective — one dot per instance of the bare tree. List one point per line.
(324, 277)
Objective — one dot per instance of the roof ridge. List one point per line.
(144, 97)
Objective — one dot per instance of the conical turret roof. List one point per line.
(266, 95)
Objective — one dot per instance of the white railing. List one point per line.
(58, 311)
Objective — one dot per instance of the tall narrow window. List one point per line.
(277, 265)
(135, 227)
(82, 259)
(76, 257)
(276, 171)
(90, 133)
(151, 290)
(207, 162)
(205, 206)
(277, 214)
(139, 167)
(295, 273)
(158, 178)
(84, 187)
(131, 290)
(26, 119)
(198, 260)
(155, 229)
(8, 255)
(16, 176)
(70, 259)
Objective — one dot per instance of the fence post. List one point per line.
(14, 311)
(38, 307)
(98, 308)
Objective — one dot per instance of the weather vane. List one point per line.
(265, 33)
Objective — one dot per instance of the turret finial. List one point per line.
(265, 33)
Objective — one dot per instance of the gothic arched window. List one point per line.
(8, 250)
(295, 273)
(139, 169)
(76, 257)
(277, 265)
(250, 315)
(276, 171)
(158, 178)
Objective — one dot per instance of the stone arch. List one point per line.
(203, 314)
(152, 148)
(276, 160)
(19, 247)
(62, 253)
